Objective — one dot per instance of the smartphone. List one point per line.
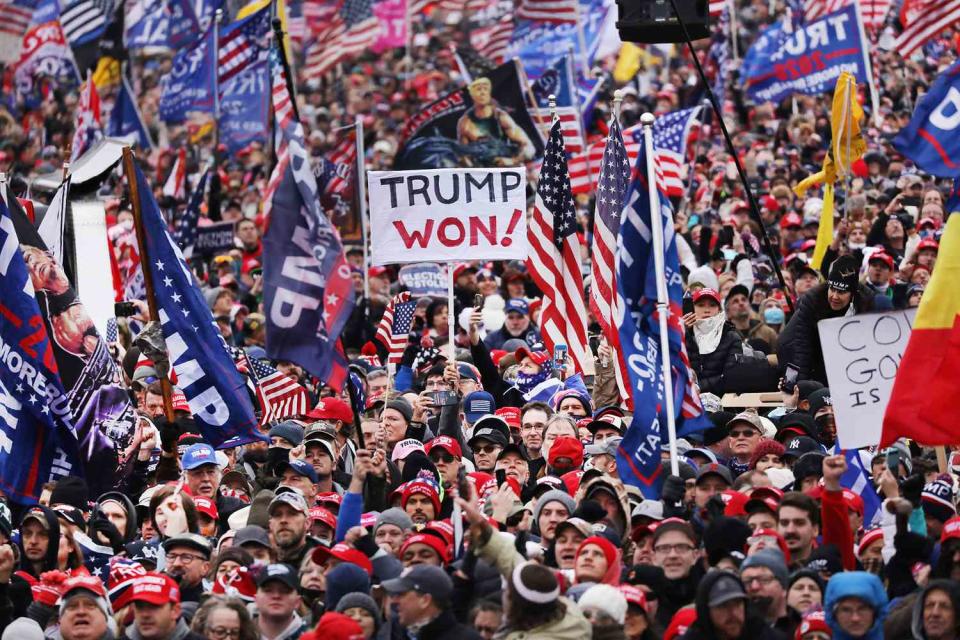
(560, 355)
(501, 477)
(442, 398)
(893, 461)
(478, 300)
(124, 309)
(687, 304)
(910, 201)
(790, 378)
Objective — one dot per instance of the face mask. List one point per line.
(257, 456)
(774, 315)
(827, 428)
(277, 455)
(856, 245)
(250, 210)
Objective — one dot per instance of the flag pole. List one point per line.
(663, 307)
(544, 132)
(734, 44)
(451, 315)
(362, 208)
(218, 16)
(581, 40)
(575, 98)
(868, 67)
(130, 171)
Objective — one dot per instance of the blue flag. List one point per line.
(808, 60)
(308, 290)
(147, 24)
(638, 457)
(207, 375)
(245, 107)
(185, 232)
(931, 139)
(190, 84)
(184, 26)
(538, 44)
(38, 443)
(857, 480)
(125, 119)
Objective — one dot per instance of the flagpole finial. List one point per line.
(617, 100)
(552, 101)
(647, 119)
(219, 15)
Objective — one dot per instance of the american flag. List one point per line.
(548, 10)
(394, 328)
(83, 21)
(716, 7)
(16, 20)
(554, 257)
(352, 29)
(336, 173)
(558, 81)
(243, 43)
(175, 186)
(924, 20)
(719, 55)
(492, 40)
(280, 396)
(185, 230)
(88, 128)
(874, 12)
(670, 135)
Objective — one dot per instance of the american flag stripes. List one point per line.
(335, 175)
(352, 29)
(554, 258)
(280, 395)
(185, 230)
(88, 128)
(548, 10)
(492, 40)
(874, 12)
(670, 135)
(924, 20)
(243, 43)
(175, 186)
(394, 328)
(16, 20)
(83, 21)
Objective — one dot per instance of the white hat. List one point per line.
(605, 598)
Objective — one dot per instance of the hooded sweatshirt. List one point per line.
(131, 511)
(856, 584)
(754, 628)
(612, 575)
(50, 560)
(952, 589)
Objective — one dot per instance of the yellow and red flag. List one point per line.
(923, 401)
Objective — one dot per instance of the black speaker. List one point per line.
(653, 21)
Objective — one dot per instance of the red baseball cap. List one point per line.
(511, 415)
(155, 588)
(206, 506)
(566, 447)
(319, 514)
(538, 357)
(928, 243)
(343, 553)
(446, 443)
(634, 596)
(791, 220)
(329, 497)
(951, 529)
(735, 502)
(332, 409)
(853, 501)
(430, 540)
(706, 293)
(87, 582)
(883, 257)
(375, 272)
(421, 487)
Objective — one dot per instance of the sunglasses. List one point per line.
(745, 433)
(489, 448)
(441, 456)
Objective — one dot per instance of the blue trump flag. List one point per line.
(931, 138)
(38, 443)
(538, 44)
(807, 60)
(207, 375)
(190, 84)
(308, 290)
(147, 25)
(184, 25)
(125, 119)
(638, 457)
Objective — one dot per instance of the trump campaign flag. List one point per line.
(37, 440)
(931, 138)
(922, 404)
(190, 84)
(638, 457)
(207, 375)
(807, 60)
(308, 289)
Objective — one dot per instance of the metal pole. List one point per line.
(754, 207)
(130, 171)
(216, 83)
(362, 206)
(663, 307)
(451, 314)
(582, 41)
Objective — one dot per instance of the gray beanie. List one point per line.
(771, 559)
(554, 495)
(394, 516)
(23, 629)
(362, 601)
(289, 431)
(404, 407)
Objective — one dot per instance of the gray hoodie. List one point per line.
(952, 589)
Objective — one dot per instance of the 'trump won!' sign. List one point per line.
(447, 215)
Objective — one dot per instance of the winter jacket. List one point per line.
(760, 331)
(496, 339)
(676, 594)
(754, 628)
(710, 368)
(952, 589)
(446, 627)
(180, 632)
(131, 511)
(53, 546)
(856, 584)
(799, 342)
(499, 551)
(836, 527)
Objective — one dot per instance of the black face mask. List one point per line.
(827, 429)
(312, 595)
(276, 456)
(257, 456)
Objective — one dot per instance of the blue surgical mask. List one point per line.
(773, 315)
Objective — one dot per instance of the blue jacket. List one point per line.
(857, 584)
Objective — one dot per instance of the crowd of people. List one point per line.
(481, 497)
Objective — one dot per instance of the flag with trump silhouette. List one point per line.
(638, 457)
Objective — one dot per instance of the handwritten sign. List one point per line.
(862, 355)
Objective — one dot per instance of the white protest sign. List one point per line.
(862, 355)
(447, 215)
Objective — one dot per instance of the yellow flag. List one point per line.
(107, 74)
(628, 63)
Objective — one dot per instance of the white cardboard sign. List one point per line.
(447, 215)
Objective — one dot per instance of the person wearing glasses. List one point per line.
(765, 577)
(187, 562)
(676, 550)
(224, 618)
(856, 605)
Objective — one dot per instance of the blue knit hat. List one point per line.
(289, 431)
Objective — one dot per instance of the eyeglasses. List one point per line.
(490, 448)
(746, 433)
(667, 549)
(441, 456)
(223, 632)
(535, 426)
(185, 558)
(761, 580)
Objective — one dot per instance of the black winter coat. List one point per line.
(755, 628)
(711, 367)
(446, 627)
(799, 342)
